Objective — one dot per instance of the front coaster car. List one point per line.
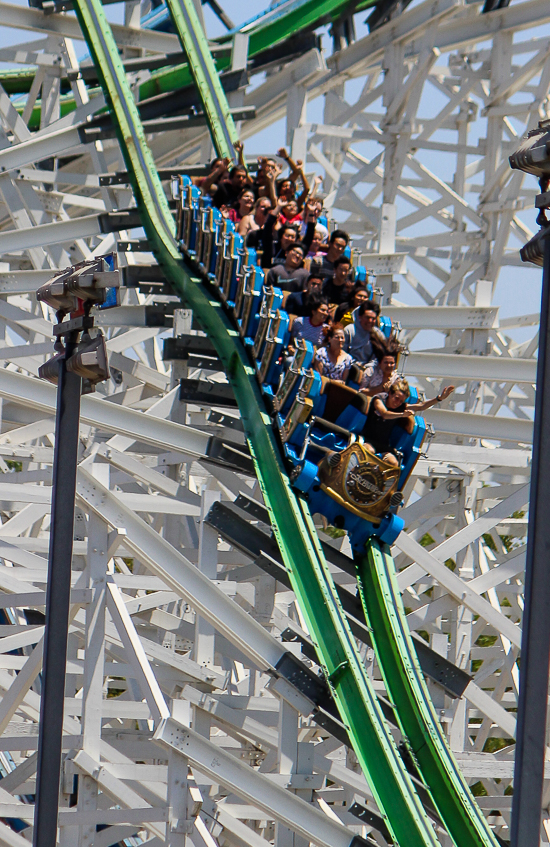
(353, 490)
(360, 481)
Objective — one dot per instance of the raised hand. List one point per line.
(446, 391)
(311, 211)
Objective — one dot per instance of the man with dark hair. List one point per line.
(267, 171)
(359, 333)
(335, 288)
(298, 303)
(288, 236)
(324, 262)
(229, 190)
(217, 172)
(290, 276)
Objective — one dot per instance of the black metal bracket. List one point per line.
(134, 245)
(115, 221)
(184, 346)
(370, 819)
(227, 454)
(79, 324)
(205, 393)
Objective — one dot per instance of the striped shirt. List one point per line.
(303, 328)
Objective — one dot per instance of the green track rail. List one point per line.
(405, 685)
(300, 549)
(271, 28)
(205, 75)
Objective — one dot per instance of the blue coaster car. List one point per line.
(385, 325)
(188, 215)
(361, 277)
(248, 296)
(351, 487)
(290, 383)
(231, 267)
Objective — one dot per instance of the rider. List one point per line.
(384, 416)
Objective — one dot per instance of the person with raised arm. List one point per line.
(239, 150)
(384, 416)
(315, 207)
(381, 373)
(264, 181)
(296, 173)
(218, 171)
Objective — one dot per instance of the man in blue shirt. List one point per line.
(358, 334)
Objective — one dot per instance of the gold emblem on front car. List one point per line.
(360, 481)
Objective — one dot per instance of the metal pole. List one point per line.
(535, 642)
(57, 606)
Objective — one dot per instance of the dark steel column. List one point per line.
(57, 606)
(535, 642)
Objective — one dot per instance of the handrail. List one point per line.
(293, 526)
(414, 709)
